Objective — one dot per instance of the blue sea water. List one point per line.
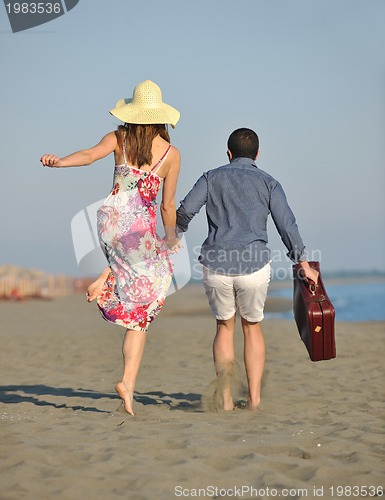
(352, 302)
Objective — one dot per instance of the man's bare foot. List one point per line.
(242, 405)
(228, 404)
(224, 378)
(253, 404)
(126, 395)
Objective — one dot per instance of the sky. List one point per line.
(307, 76)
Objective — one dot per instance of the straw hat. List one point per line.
(146, 107)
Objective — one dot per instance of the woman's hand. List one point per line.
(84, 157)
(51, 161)
(174, 244)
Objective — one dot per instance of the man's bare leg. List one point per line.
(254, 358)
(223, 352)
(133, 347)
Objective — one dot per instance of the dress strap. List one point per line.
(158, 164)
(124, 148)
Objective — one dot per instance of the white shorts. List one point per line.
(247, 293)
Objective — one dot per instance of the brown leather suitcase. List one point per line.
(314, 314)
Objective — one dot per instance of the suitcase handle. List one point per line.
(310, 284)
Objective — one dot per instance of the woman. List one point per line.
(130, 292)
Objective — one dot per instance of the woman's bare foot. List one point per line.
(94, 290)
(126, 395)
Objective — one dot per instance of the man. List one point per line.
(235, 258)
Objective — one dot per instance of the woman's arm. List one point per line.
(84, 157)
(167, 208)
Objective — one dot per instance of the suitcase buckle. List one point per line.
(312, 288)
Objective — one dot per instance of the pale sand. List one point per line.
(319, 425)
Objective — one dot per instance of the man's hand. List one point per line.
(309, 272)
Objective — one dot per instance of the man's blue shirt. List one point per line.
(239, 198)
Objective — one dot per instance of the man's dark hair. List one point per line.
(243, 142)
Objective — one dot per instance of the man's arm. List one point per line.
(286, 225)
(191, 204)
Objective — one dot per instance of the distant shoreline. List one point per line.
(332, 279)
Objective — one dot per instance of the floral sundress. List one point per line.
(141, 268)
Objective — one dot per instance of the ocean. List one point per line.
(352, 302)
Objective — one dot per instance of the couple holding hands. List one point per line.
(238, 198)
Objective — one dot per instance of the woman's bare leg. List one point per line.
(133, 347)
(223, 352)
(254, 357)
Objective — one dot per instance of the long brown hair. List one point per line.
(139, 141)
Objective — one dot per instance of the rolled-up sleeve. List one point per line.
(192, 204)
(285, 223)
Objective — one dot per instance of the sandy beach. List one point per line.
(63, 435)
